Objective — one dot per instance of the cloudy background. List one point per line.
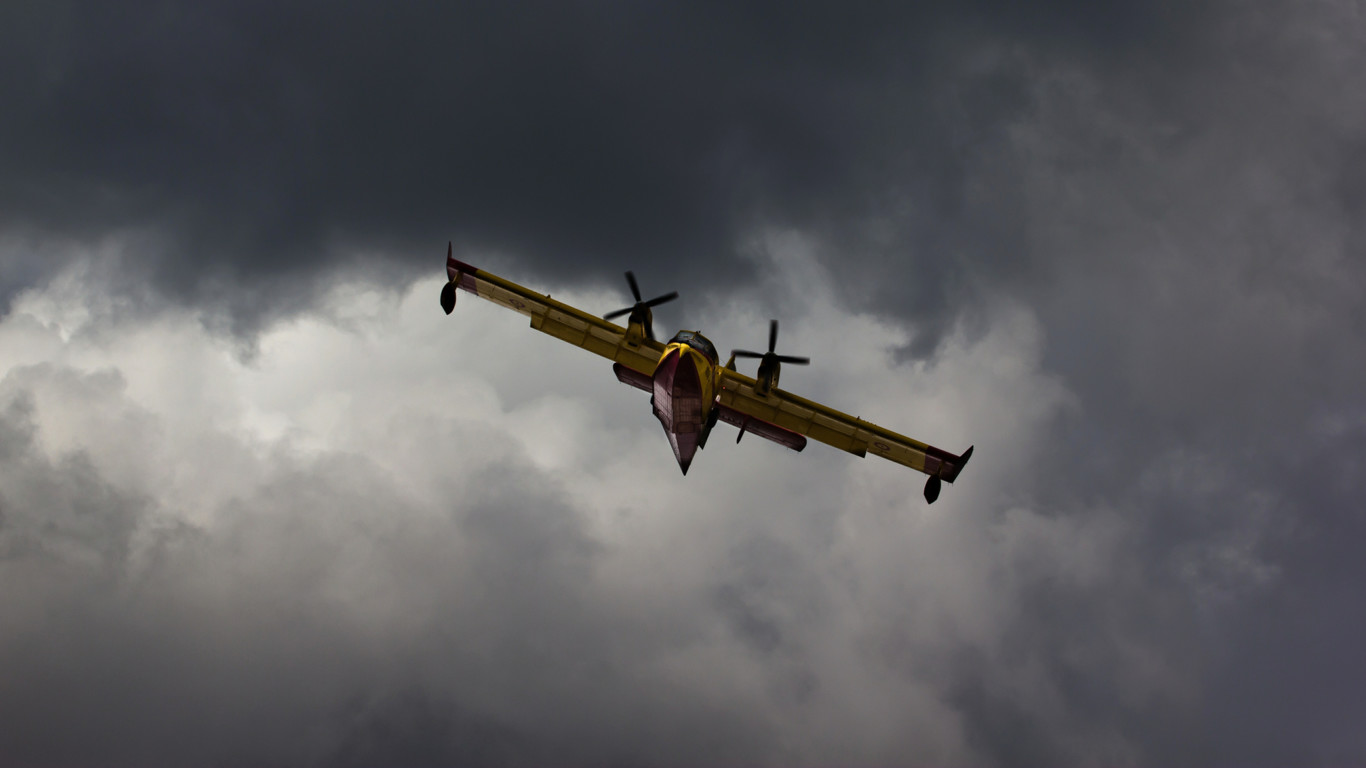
(262, 503)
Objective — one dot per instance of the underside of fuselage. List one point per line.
(678, 404)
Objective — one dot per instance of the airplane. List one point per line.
(690, 390)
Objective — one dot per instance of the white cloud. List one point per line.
(386, 497)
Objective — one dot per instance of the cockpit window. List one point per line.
(697, 341)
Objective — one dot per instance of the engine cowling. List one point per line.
(769, 362)
(767, 377)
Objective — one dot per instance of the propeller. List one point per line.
(770, 356)
(640, 311)
(769, 362)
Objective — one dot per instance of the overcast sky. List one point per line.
(262, 503)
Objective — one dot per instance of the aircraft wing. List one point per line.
(553, 317)
(829, 426)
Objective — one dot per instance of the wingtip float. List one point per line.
(690, 391)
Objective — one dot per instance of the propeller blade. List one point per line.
(661, 299)
(770, 357)
(640, 310)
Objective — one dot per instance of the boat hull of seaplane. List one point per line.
(680, 402)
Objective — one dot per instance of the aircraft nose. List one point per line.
(678, 405)
(685, 448)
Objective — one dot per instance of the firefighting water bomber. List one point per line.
(690, 391)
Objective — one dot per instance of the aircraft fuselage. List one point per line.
(684, 390)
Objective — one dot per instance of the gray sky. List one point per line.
(262, 503)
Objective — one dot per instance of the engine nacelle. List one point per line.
(767, 377)
(769, 362)
(639, 326)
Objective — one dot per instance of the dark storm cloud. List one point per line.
(266, 144)
(1194, 250)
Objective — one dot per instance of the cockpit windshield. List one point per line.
(698, 342)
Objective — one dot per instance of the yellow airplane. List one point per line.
(691, 390)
